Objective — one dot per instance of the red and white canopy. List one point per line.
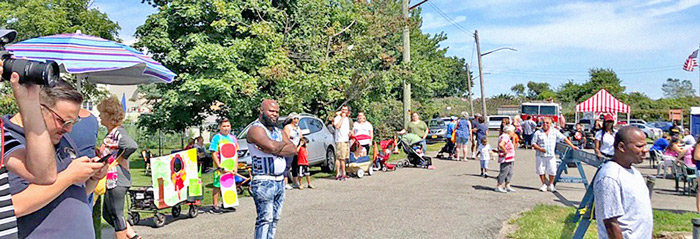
(602, 102)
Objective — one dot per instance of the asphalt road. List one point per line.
(451, 201)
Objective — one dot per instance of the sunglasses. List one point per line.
(64, 123)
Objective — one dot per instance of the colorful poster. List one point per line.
(229, 160)
(175, 177)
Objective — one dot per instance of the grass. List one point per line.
(548, 221)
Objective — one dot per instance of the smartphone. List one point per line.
(105, 158)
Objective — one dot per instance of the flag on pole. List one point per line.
(691, 62)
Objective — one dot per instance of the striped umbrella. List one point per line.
(95, 59)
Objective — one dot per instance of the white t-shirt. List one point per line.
(622, 193)
(606, 142)
(689, 140)
(342, 134)
(484, 152)
(362, 129)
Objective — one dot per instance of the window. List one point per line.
(315, 125)
(548, 110)
(436, 123)
(530, 110)
(303, 123)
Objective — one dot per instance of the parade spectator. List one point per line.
(506, 157)
(268, 145)
(29, 154)
(578, 138)
(605, 138)
(464, 133)
(420, 128)
(303, 163)
(84, 134)
(190, 144)
(674, 149)
(293, 132)
(504, 122)
(342, 141)
(475, 142)
(484, 154)
(660, 144)
(696, 158)
(622, 202)
(203, 158)
(529, 126)
(482, 130)
(224, 136)
(675, 129)
(518, 123)
(363, 131)
(544, 142)
(688, 140)
(118, 175)
(449, 140)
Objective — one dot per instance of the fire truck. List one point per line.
(538, 110)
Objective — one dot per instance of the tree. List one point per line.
(535, 89)
(603, 79)
(518, 90)
(675, 89)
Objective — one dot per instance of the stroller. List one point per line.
(448, 149)
(382, 154)
(413, 158)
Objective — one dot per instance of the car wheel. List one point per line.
(330, 161)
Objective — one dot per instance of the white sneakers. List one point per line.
(544, 188)
(501, 190)
(509, 189)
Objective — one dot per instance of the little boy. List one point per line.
(484, 154)
(222, 137)
(303, 163)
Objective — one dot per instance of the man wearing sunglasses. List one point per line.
(61, 209)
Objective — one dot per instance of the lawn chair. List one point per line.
(689, 178)
(666, 162)
(655, 156)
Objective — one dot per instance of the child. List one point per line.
(484, 154)
(222, 137)
(506, 151)
(303, 163)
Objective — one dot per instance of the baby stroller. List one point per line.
(448, 149)
(382, 155)
(413, 158)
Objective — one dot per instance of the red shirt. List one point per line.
(303, 156)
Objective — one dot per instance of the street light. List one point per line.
(481, 75)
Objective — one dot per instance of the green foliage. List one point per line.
(7, 100)
(310, 55)
(34, 18)
(675, 88)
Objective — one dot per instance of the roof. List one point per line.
(602, 102)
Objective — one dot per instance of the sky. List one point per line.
(644, 42)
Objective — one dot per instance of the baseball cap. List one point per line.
(608, 118)
(293, 115)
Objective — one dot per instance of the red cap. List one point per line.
(608, 118)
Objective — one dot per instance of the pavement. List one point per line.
(451, 201)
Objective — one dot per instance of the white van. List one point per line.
(495, 121)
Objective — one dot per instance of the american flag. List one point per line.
(691, 62)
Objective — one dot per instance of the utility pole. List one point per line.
(469, 87)
(481, 75)
(407, 61)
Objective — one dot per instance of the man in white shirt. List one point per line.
(342, 142)
(622, 202)
(688, 140)
(544, 142)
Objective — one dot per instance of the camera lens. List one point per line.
(32, 72)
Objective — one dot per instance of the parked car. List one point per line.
(321, 146)
(650, 132)
(437, 130)
(663, 125)
(638, 121)
(495, 121)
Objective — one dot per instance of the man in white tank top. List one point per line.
(268, 145)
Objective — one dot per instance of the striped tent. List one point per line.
(603, 102)
(95, 59)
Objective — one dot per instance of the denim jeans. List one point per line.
(425, 146)
(268, 196)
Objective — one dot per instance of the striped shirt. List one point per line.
(8, 221)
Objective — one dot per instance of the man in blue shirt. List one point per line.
(448, 136)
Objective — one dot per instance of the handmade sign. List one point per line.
(229, 159)
(175, 178)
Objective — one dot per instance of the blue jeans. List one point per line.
(425, 146)
(268, 196)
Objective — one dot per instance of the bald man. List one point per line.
(622, 202)
(268, 145)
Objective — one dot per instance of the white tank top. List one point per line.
(295, 135)
(260, 157)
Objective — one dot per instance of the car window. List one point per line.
(314, 125)
(303, 123)
(436, 123)
(496, 118)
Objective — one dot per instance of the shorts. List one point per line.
(342, 151)
(546, 165)
(113, 206)
(217, 177)
(303, 170)
(484, 164)
(461, 140)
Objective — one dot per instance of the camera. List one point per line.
(30, 72)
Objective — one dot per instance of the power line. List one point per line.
(444, 15)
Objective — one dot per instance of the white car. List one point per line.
(495, 121)
(652, 133)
